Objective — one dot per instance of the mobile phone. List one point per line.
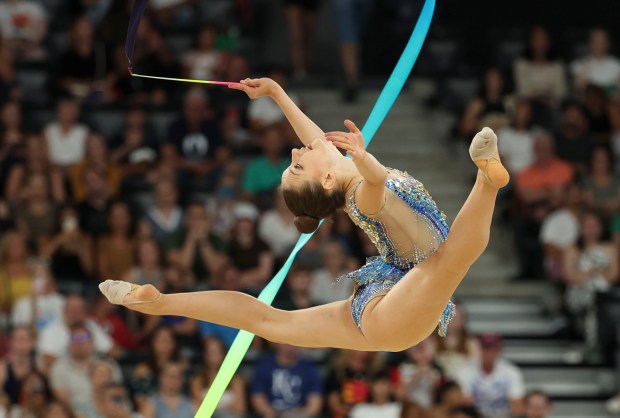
(69, 224)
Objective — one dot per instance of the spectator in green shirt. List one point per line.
(263, 174)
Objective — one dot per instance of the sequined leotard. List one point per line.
(406, 230)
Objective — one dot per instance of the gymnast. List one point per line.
(399, 296)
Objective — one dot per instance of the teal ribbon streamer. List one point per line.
(383, 105)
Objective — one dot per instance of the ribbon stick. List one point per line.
(130, 42)
(384, 103)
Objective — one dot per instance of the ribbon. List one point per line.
(130, 42)
(383, 105)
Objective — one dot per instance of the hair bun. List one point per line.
(306, 224)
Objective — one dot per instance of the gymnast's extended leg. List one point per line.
(411, 310)
(328, 325)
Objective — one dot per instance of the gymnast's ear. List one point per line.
(329, 181)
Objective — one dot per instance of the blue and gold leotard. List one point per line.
(406, 231)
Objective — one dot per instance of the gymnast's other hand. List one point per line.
(257, 87)
(352, 142)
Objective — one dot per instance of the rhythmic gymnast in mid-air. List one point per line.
(401, 295)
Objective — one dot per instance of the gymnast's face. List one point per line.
(314, 162)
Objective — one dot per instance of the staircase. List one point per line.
(414, 138)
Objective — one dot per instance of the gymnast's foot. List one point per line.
(484, 153)
(124, 293)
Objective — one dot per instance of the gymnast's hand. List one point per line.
(257, 87)
(352, 142)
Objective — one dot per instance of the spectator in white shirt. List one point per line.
(23, 25)
(560, 229)
(53, 342)
(48, 303)
(517, 140)
(66, 138)
(494, 384)
(598, 67)
(277, 229)
(326, 287)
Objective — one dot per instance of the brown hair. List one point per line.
(311, 203)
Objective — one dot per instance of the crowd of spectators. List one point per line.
(180, 191)
(559, 134)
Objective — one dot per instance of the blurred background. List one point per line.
(107, 176)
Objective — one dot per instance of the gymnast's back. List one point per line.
(408, 227)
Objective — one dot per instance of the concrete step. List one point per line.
(579, 409)
(543, 352)
(517, 326)
(571, 382)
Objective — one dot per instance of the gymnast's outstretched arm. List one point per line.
(304, 127)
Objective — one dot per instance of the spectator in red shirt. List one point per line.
(106, 316)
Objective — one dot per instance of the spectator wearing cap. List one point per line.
(494, 384)
(286, 386)
(247, 251)
(537, 404)
(263, 174)
(70, 375)
(55, 340)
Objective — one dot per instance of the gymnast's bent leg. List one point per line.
(411, 310)
(328, 325)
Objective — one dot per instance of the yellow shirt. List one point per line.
(13, 288)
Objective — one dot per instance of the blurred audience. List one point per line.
(537, 404)
(516, 141)
(590, 266)
(55, 341)
(286, 386)
(494, 384)
(17, 364)
(43, 306)
(277, 229)
(572, 141)
(80, 69)
(169, 400)
(116, 249)
(419, 376)
(233, 402)
(489, 108)
(96, 157)
(348, 380)
(16, 276)
(66, 137)
(539, 77)
(36, 162)
(70, 375)
(326, 283)
(382, 403)
(598, 66)
(23, 26)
